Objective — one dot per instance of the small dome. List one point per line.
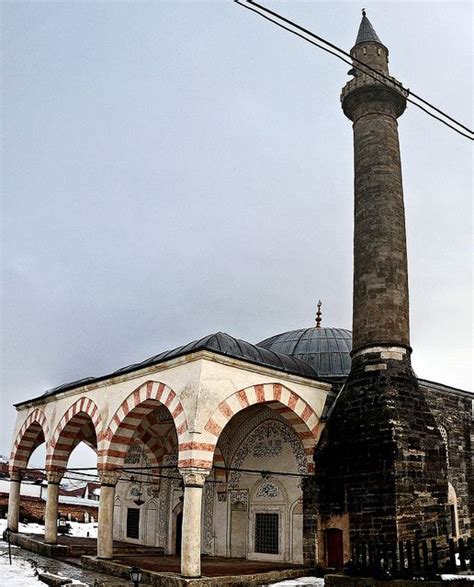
(326, 350)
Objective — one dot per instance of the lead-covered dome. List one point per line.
(326, 350)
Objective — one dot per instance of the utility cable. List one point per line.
(379, 76)
(353, 58)
(138, 471)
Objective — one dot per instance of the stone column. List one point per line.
(14, 501)
(191, 536)
(105, 536)
(51, 510)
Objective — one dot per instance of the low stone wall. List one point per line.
(344, 581)
(53, 580)
(172, 580)
(29, 543)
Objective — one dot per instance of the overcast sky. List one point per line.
(172, 169)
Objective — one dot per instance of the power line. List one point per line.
(144, 471)
(379, 76)
(353, 58)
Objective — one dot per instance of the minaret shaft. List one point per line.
(380, 303)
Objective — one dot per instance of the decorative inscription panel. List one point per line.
(269, 430)
(269, 447)
(268, 490)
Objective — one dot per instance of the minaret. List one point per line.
(380, 464)
(380, 304)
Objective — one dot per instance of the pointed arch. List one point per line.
(33, 432)
(131, 419)
(298, 413)
(80, 423)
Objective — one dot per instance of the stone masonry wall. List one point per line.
(453, 411)
(381, 458)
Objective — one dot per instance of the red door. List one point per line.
(334, 548)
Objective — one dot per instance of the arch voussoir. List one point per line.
(131, 420)
(33, 432)
(79, 423)
(298, 413)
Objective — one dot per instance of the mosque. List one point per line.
(293, 448)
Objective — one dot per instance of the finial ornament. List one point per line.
(363, 12)
(318, 315)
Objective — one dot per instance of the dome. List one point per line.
(326, 350)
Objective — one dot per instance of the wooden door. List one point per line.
(334, 548)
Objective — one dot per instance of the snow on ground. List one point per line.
(77, 528)
(453, 577)
(19, 574)
(81, 529)
(24, 528)
(302, 581)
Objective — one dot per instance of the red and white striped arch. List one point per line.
(80, 423)
(130, 420)
(298, 413)
(32, 433)
(220, 475)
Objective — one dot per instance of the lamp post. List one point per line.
(8, 533)
(135, 575)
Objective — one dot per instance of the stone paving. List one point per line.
(58, 567)
(211, 566)
(150, 561)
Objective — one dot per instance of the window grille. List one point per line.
(133, 523)
(266, 533)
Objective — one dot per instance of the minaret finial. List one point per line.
(363, 12)
(318, 315)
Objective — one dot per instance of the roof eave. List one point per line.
(133, 369)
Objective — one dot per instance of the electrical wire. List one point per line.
(379, 76)
(144, 471)
(353, 58)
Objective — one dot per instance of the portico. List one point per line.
(161, 430)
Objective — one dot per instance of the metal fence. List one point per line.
(411, 558)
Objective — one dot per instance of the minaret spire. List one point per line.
(366, 31)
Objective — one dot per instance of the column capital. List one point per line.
(109, 478)
(16, 476)
(54, 477)
(194, 477)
